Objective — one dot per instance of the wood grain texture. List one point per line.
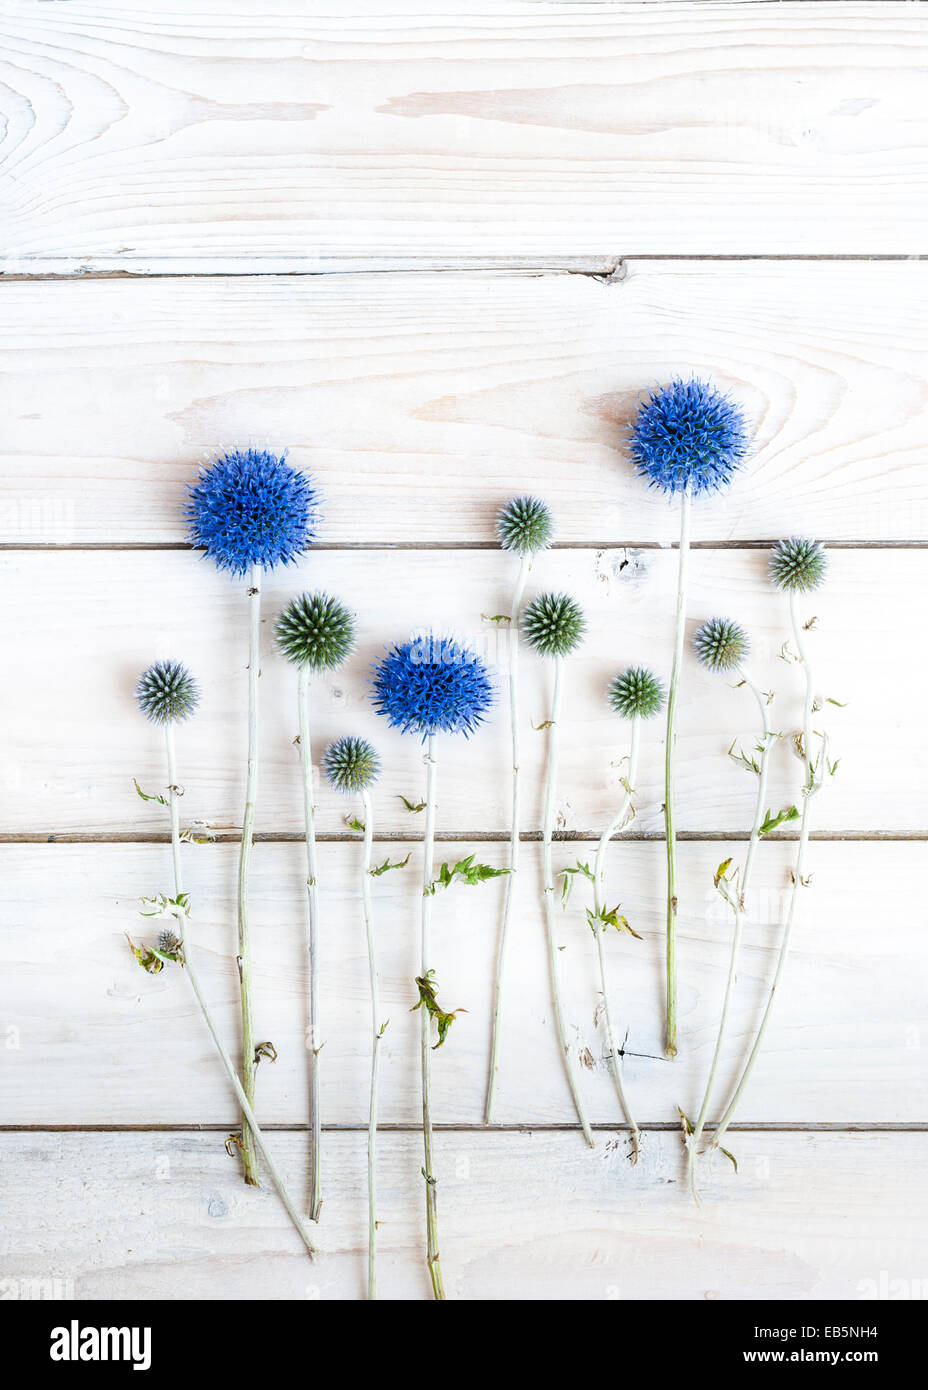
(90, 1039)
(423, 402)
(84, 624)
(158, 1216)
(195, 138)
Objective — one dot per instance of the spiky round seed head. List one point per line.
(553, 624)
(432, 684)
(524, 525)
(166, 692)
(798, 563)
(720, 644)
(636, 693)
(351, 764)
(251, 508)
(168, 941)
(689, 437)
(315, 630)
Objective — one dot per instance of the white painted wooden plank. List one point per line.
(423, 402)
(90, 1039)
(83, 624)
(191, 138)
(531, 1216)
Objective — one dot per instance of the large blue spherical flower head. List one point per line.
(689, 437)
(432, 684)
(251, 508)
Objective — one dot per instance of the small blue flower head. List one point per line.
(524, 525)
(251, 508)
(798, 563)
(351, 764)
(721, 645)
(689, 437)
(636, 694)
(167, 693)
(432, 684)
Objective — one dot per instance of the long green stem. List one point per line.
(377, 1027)
(315, 1038)
(513, 864)
(567, 1050)
(669, 754)
(598, 901)
(808, 791)
(187, 957)
(428, 1170)
(249, 1059)
(740, 918)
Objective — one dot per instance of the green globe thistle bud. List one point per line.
(553, 624)
(315, 630)
(636, 694)
(798, 563)
(524, 525)
(721, 645)
(351, 764)
(166, 692)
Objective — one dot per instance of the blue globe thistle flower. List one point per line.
(798, 563)
(721, 645)
(636, 694)
(351, 764)
(167, 693)
(524, 525)
(689, 437)
(251, 508)
(553, 624)
(431, 685)
(315, 630)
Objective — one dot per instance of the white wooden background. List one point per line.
(438, 254)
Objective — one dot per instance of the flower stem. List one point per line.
(513, 864)
(598, 932)
(207, 1017)
(315, 1043)
(428, 1170)
(375, 1052)
(808, 790)
(548, 867)
(740, 918)
(249, 1060)
(669, 753)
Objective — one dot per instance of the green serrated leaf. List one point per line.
(413, 806)
(163, 906)
(610, 917)
(427, 998)
(771, 821)
(386, 866)
(730, 1156)
(496, 618)
(567, 876)
(161, 800)
(353, 823)
(467, 872)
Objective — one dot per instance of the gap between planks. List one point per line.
(656, 1126)
(491, 837)
(322, 547)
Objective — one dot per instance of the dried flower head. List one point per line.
(168, 942)
(524, 525)
(351, 764)
(315, 630)
(720, 644)
(167, 693)
(251, 508)
(798, 563)
(689, 437)
(636, 694)
(553, 624)
(432, 684)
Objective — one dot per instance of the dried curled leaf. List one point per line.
(610, 917)
(427, 999)
(160, 800)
